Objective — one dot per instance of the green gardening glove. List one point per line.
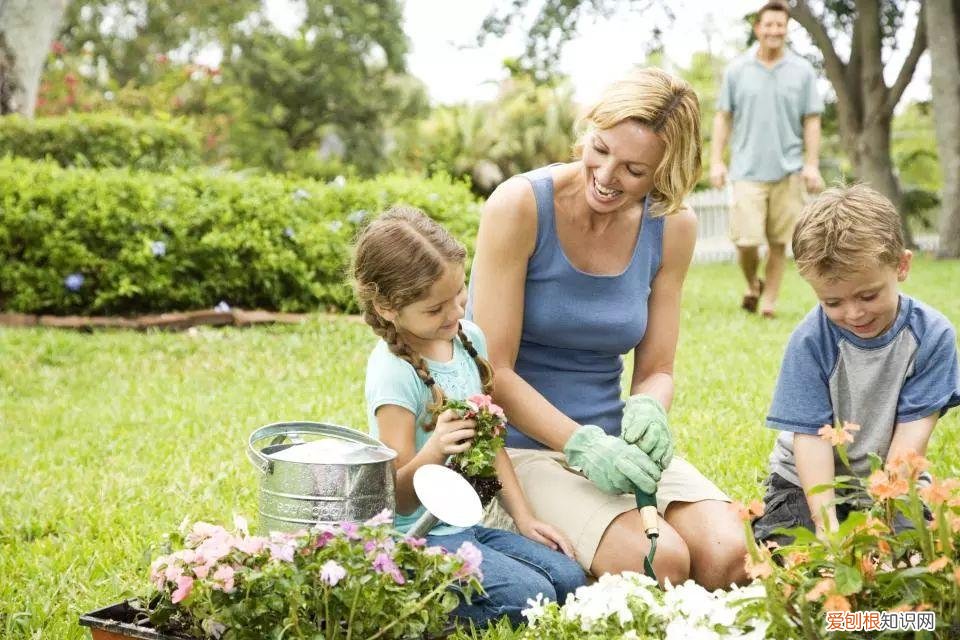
(645, 425)
(610, 463)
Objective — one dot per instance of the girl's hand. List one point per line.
(545, 534)
(452, 435)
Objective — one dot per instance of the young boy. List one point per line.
(867, 354)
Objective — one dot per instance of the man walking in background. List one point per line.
(769, 100)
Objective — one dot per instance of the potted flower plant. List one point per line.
(476, 463)
(353, 581)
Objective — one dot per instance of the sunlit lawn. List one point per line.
(109, 440)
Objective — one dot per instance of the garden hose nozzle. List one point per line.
(647, 504)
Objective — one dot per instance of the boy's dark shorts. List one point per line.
(785, 507)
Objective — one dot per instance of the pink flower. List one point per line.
(435, 551)
(497, 410)
(173, 572)
(223, 578)
(251, 544)
(415, 542)
(201, 531)
(382, 518)
(201, 570)
(369, 546)
(214, 548)
(332, 573)
(472, 558)
(184, 587)
(480, 401)
(281, 551)
(322, 539)
(383, 563)
(351, 530)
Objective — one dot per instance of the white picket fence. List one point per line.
(713, 214)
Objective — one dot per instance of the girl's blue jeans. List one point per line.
(514, 569)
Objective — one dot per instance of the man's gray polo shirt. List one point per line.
(768, 107)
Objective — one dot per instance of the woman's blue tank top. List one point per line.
(576, 325)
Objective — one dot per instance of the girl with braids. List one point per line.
(409, 279)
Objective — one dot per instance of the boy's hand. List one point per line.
(452, 435)
(610, 463)
(645, 425)
(546, 535)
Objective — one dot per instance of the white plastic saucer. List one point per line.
(447, 495)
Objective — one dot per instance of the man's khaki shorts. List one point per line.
(572, 503)
(766, 212)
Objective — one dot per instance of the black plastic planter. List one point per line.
(119, 621)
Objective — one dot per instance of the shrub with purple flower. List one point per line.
(345, 581)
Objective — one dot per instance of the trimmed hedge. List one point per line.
(82, 241)
(98, 140)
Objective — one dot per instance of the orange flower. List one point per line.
(758, 569)
(746, 513)
(837, 436)
(868, 566)
(954, 523)
(909, 464)
(938, 564)
(884, 547)
(797, 558)
(836, 602)
(788, 589)
(820, 589)
(884, 486)
(935, 494)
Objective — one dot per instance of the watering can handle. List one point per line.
(280, 431)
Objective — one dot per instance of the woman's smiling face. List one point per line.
(619, 164)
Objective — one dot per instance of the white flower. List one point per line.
(339, 182)
(536, 608)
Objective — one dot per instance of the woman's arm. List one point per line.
(505, 242)
(515, 502)
(654, 356)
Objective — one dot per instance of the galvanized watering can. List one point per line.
(311, 473)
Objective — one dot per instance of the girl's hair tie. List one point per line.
(429, 381)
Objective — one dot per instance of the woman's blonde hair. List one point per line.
(668, 106)
(397, 258)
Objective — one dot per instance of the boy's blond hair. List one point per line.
(846, 230)
(667, 105)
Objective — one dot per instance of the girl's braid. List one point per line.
(483, 365)
(399, 348)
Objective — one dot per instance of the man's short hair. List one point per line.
(846, 230)
(773, 5)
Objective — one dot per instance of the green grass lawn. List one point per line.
(109, 440)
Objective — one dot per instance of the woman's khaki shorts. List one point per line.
(572, 503)
(766, 212)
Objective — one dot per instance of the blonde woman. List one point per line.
(577, 264)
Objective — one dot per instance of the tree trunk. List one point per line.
(873, 163)
(27, 27)
(943, 31)
(864, 102)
